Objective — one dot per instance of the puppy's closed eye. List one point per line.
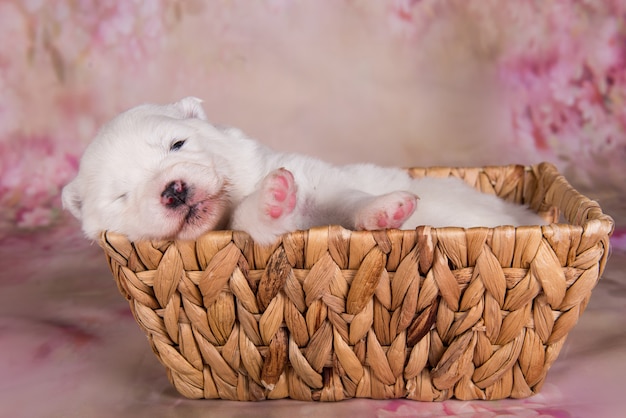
(178, 144)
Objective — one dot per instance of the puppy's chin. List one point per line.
(206, 215)
(191, 230)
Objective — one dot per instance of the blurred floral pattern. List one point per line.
(399, 82)
(566, 76)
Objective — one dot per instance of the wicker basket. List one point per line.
(329, 314)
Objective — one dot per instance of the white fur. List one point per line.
(235, 182)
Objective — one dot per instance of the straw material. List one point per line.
(329, 314)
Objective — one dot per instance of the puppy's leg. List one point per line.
(390, 210)
(355, 209)
(269, 211)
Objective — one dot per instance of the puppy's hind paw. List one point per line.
(387, 211)
(278, 194)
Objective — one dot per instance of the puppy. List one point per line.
(164, 172)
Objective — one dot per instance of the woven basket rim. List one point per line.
(604, 223)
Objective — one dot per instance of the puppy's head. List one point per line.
(152, 172)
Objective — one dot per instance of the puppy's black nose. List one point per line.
(175, 194)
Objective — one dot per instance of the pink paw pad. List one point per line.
(405, 209)
(388, 211)
(280, 190)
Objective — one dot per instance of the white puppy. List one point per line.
(166, 172)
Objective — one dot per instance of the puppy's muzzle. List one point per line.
(175, 194)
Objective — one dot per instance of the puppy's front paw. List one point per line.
(387, 211)
(271, 210)
(278, 194)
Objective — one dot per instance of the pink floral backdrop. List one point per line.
(398, 82)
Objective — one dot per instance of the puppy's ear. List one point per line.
(72, 199)
(191, 108)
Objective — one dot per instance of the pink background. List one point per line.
(396, 82)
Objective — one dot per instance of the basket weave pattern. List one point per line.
(329, 314)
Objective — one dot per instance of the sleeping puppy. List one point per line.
(164, 172)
